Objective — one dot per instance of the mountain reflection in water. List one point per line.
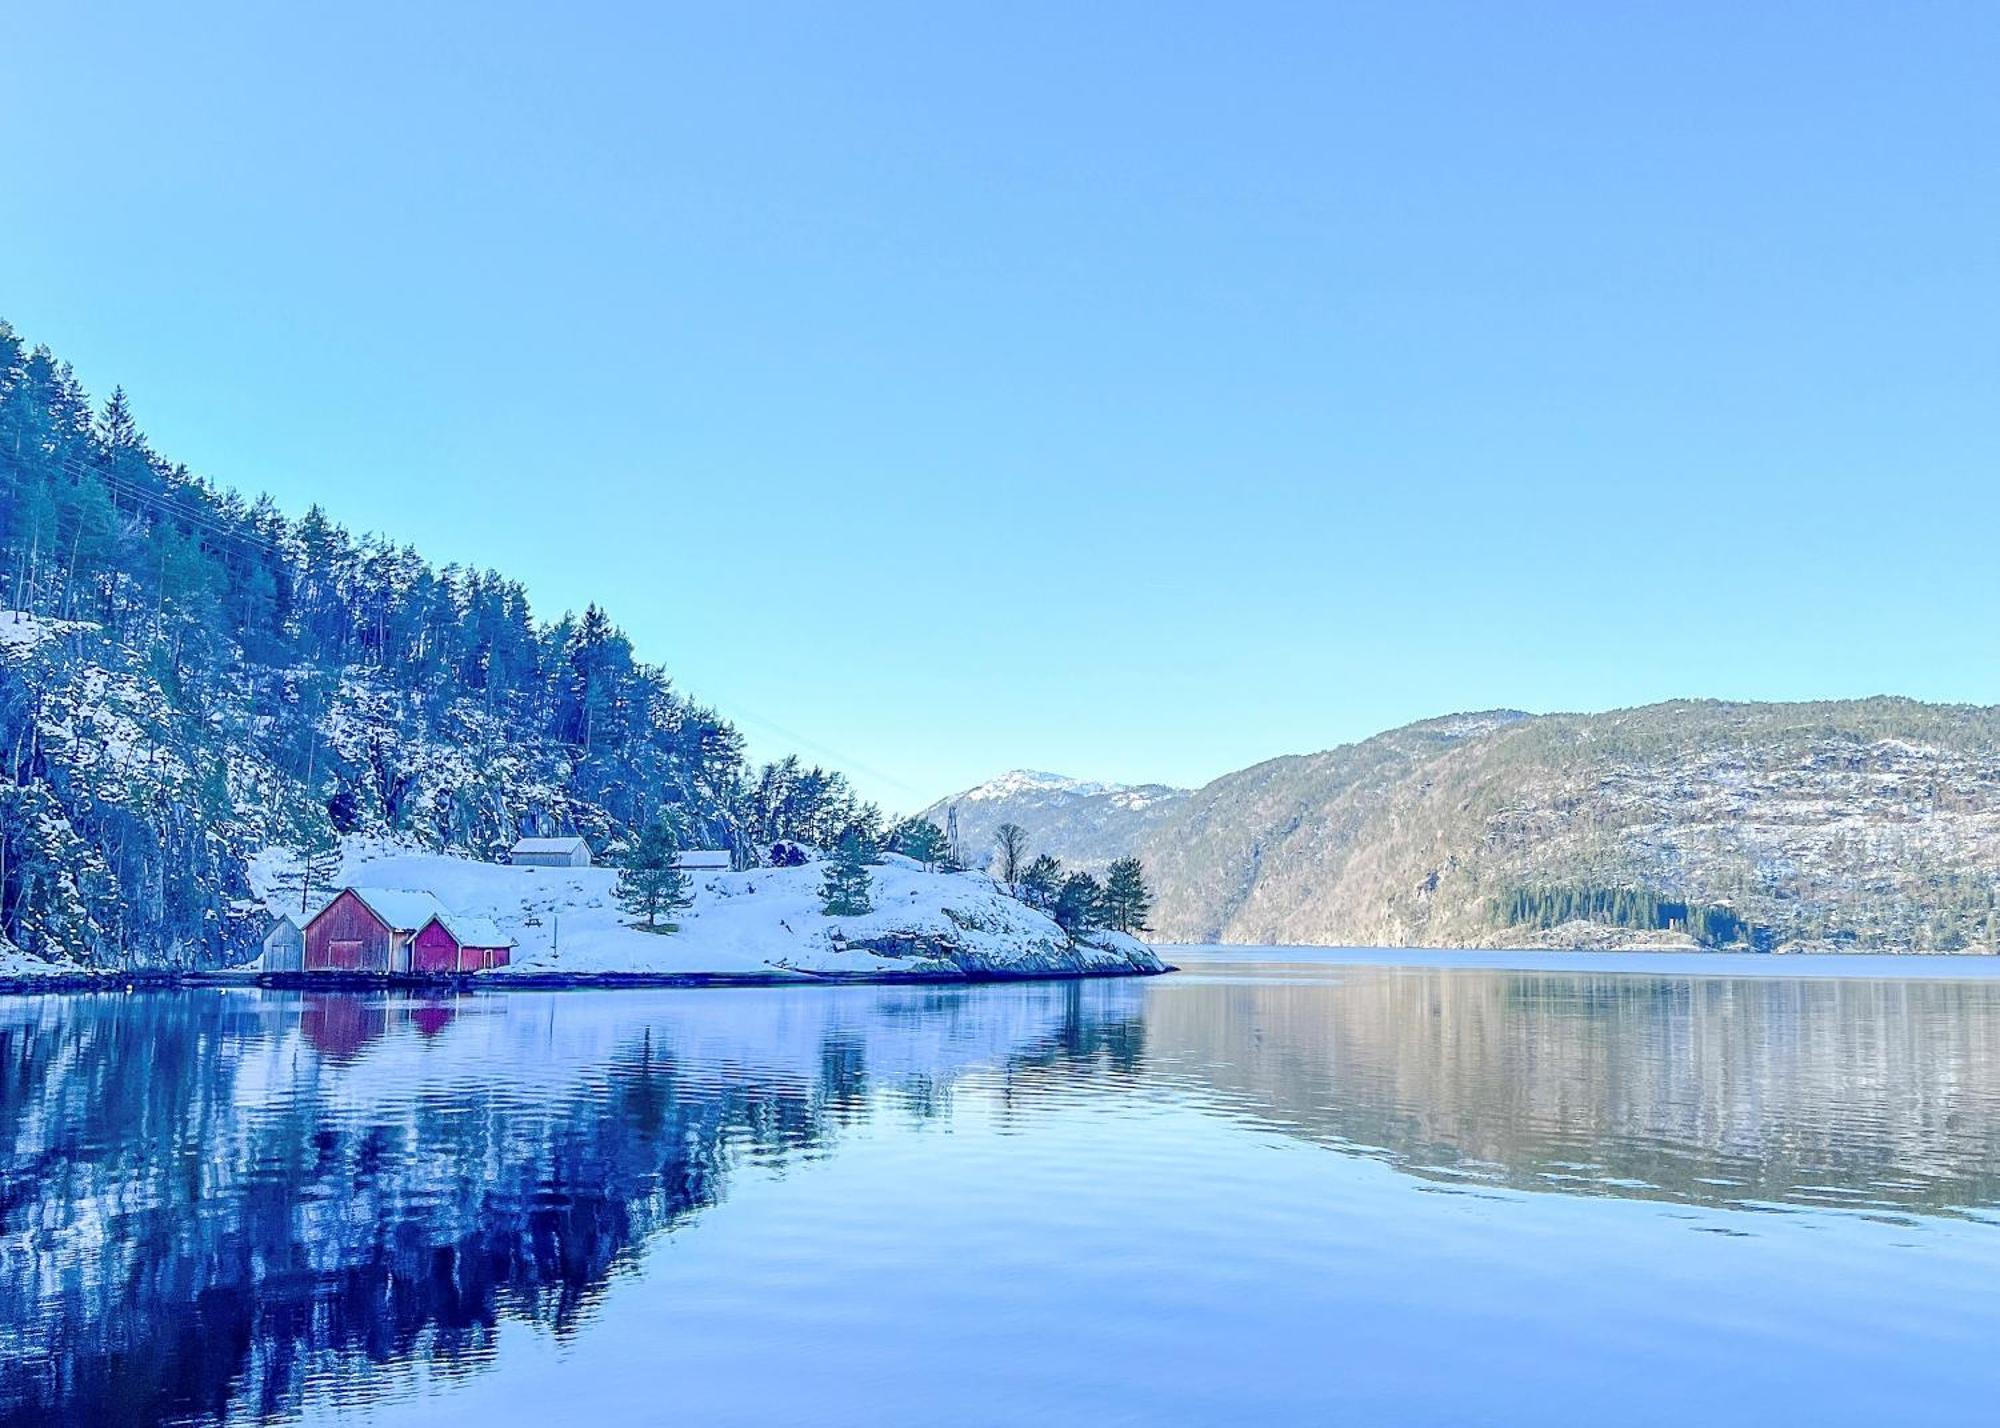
(235, 1205)
(1874, 1094)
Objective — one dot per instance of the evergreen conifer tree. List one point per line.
(923, 840)
(1078, 903)
(651, 882)
(844, 890)
(319, 861)
(1127, 899)
(117, 429)
(865, 838)
(1040, 881)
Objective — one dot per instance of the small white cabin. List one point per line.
(550, 853)
(704, 860)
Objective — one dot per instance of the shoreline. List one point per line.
(223, 977)
(1544, 950)
(1198, 958)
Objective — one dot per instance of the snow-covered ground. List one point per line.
(766, 922)
(21, 631)
(18, 966)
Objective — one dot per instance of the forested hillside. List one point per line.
(1868, 824)
(187, 675)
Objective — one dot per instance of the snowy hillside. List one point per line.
(765, 921)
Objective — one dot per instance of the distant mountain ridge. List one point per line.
(1034, 784)
(1088, 823)
(1867, 824)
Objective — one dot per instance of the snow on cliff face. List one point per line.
(764, 921)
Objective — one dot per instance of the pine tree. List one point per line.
(1078, 903)
(596, 656)
(651, 881)
(844, 891)
(1127, 899)
(117, 429)
(864, 835)
(922, 840)
(319, 862)
(1040, 881)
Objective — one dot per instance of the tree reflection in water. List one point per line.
(212, 1199)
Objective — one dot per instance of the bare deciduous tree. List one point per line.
(1011, 841)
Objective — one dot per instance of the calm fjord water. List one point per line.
(1289, 1189)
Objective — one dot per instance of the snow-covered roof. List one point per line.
(294, 916)
(471, 930)
(549, 845)
(402, 910)
(717, 859)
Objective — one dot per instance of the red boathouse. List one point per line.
(367, 930)
(452, 942)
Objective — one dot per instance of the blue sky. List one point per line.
(1134, 390)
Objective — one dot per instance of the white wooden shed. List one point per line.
(550, 853)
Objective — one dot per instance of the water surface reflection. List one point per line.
(1877, 1094)
(211, 1198)
(232, 1205)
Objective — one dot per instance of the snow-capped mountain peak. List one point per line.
(1018, 783)
(1085, 822)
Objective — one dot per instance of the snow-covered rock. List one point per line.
(21, 631)
(17, 968)
(762, 922)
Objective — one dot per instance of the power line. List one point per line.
(842, 760)
(167, 503)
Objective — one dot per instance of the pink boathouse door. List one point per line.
(435, 951)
